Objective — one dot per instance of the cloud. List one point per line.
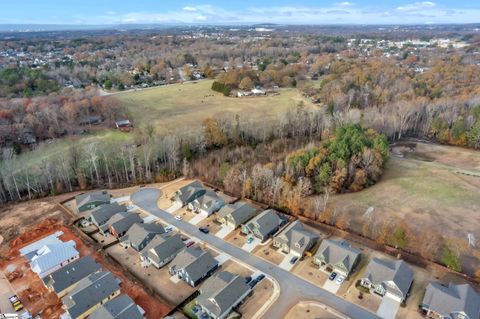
(416, 6)
(189, 9)
(345, 4)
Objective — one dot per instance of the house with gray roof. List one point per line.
(451, 302)
(90, 293)
(64, 280)
(91, 200)
(388, 278)
(121, 222)
(234, 215)
(52, 257)
(207, 204)
(221, 293)
(295, 239)
(192, 265)
(100, 215)
(122, 307)
(139, 235)
(189, 193)
(264, 224)
(161, 250)
(336, 256)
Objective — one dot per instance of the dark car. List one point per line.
(260, 277)
(248, 279)
(204, 230)
(293, 260)
(332, 276)
(253, 283)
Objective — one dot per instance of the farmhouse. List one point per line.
(65, 279)
(264, 225)
(161, 250)
(207, 204)
(189, 193)
(139, 235)
(234, 215)
(100, 215)
(388, 278)
(121, 222)
(451, 302)
(50, 258)
(192, 265)
(336, 256)
(221, 293)
(122, 307)
(90, 293)
(91, 200)
(295, 239)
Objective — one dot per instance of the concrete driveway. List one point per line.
(198, 218)
(224, 231)
(331, 285)
(251, 246)
(5, 292)
(122, 199)
(285, 264)
(173, 208)
(293, 289)
(388, 308)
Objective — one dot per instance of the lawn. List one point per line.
(183, 106)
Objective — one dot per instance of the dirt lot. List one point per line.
(168, 190)
(261, 293)
(269, 253)
(236, 238)
(35, 296)
(236, 268)
(308, 271)
(310, 310)
(425, 189)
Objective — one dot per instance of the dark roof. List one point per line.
(89, 292)
(452, 299)
(139, 231)
(162, 247)
(265, 222)
(187, 193)
(96, 196)
(103, 213)
(337, 252)
(122, 307)
(382, 270)
(195, 262)
(71, 274)
(122, 221)
(239, 212)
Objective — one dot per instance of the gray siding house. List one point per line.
(121, 222)
(221, 293)
(295, 239)
(100, 215)
(451, 302)
(336, 256)
(161, 250)
(189, 193)
(91, 200)
(264, 225)
(122, 307)
(234, 215)
(192, 265)
(207, 204)
(388, 278)
(139, 235)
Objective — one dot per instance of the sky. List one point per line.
(111, 12)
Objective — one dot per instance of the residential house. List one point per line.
(295, 239)
(388, 278)
(50, 258)
(91, 200)
(123, 125)
(258, 91)
(221, 293)
(207, 204)
(234, 215)
(30, 250)
(451, 302)
(122, 307)
(90, 293)
(189, 193)
(336, 256)
(91, 120)
(192, 265)
(139, 235)
(161, 250)
(100, 215)
(264, 224)
(121, 222)
(65, 279)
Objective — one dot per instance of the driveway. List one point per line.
(150, 219)
(293, 289)
(122, 199)
(388, 308)
(224, 231)
(198, 218)
(286, 264)
(222, 258)
(251, 246)
(331, 285)
(173, 208)
(5, 292)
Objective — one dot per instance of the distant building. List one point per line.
(264, 225)
(65, 279)
(91, 120)
(207, 204)
(451, 302)
(91, 200)
(192, 265)
(122, 307)
(295, 239)
(50, 258)
(161, 250)
(257, 92)
(221, 293)
(234, 215)
(139, 235)
(336, 256)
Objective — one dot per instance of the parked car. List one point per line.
(260, 277)
(178, 217)
(332, 276)
(248, 279)
(253, 283)
(340, 279)
(293, 260)
(16, 303)
(204, 230)
(168, 229)
(250, 240)
(190, 243)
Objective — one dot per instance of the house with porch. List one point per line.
(264, 225)
(193, 265)
(295, 239)
(234, 215)
(161, 250)
(336, 256)
(207, 204)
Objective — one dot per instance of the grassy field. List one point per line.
(184, 106)
(425, 190)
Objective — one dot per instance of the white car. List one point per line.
(340, 279)
(178, 217)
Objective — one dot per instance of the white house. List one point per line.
(52, 257)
